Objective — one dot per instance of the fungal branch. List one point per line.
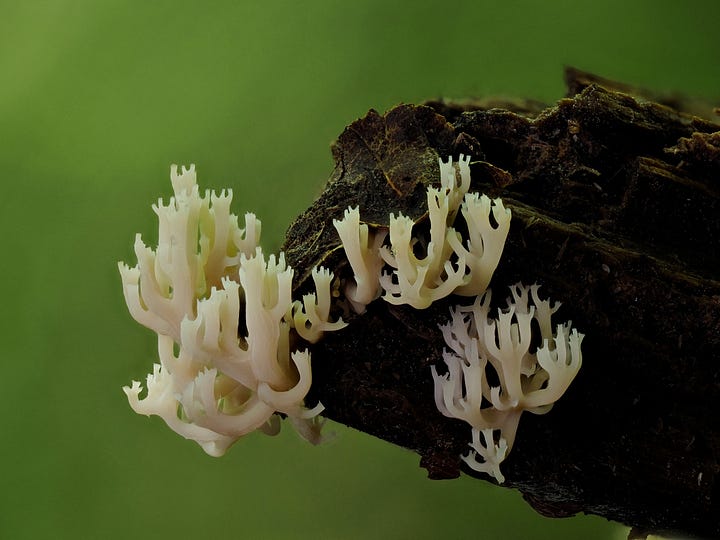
(206, 274)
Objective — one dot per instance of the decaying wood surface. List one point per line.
(615, 196)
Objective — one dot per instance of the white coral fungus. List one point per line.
(362, 250)
(495, 372)
(492, 454)
(449, 263)
(206, 275)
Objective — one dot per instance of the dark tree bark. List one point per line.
(616, 213)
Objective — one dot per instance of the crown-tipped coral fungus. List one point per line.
(529, 378)
(205, 276)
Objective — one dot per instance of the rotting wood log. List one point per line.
(615, 196)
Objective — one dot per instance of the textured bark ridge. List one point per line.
(615, 197)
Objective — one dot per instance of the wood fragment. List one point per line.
(616, 213)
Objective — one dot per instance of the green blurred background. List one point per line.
(97, 98)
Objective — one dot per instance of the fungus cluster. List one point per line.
(207, 275)
(208, 278)
(450, 263)
(495, 372)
